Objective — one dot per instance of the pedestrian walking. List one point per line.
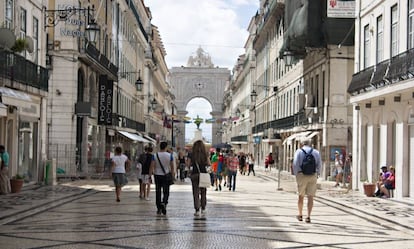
(232, 166)
(199, 162)
(269, 162)
(339, 168)
(306, 180)
(242, 163)
(250, 161)
(4, 172)
(119, 163)
(181, 162)
(145, 160)
(162, 164)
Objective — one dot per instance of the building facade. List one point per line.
(103, 89)
(306, 99)
(382, 93)
(23, 87)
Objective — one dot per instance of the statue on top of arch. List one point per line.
(201, 59)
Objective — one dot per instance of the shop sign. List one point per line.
(105, 100)
(74, 23)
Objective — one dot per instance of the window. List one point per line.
(35, 38)
(410, 24)
(23, 23)
(366, 46)
(394, 30)
(380, 39)
(8, 22)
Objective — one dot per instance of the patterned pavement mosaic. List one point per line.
(84, 214)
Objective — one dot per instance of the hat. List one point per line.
(336, 152)
(383, 167)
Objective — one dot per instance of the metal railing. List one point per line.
(16, 68)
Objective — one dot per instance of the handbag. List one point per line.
(204, 179)
(168, 176)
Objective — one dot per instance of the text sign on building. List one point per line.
(341, 8)
(105, 100)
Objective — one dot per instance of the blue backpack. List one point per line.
(309, 163)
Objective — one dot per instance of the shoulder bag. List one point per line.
(204, 179)
(169, 177)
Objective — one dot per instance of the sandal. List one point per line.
(299, 217)
(308, 220)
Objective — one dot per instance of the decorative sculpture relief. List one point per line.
(201, 59)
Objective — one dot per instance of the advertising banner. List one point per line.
(105, 100)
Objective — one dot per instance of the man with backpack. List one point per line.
(306, 167)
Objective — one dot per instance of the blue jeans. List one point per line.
(232, 180)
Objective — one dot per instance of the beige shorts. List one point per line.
(306, 184)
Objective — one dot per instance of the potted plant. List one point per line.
(16, 183)
(369, 189)
(19, 45)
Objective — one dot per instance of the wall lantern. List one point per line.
(139, 83)
(253, 96)
(288, 57)
(153, 104)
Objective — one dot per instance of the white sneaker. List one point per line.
(147, 199)
(197, 213)
(203, 212)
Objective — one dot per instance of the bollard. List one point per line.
(50, 172)
(278, 178)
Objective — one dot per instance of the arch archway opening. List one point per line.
(201, 108)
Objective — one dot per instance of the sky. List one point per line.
(219, 27)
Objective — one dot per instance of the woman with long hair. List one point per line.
(199, 162)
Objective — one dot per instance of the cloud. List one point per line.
(218, 26)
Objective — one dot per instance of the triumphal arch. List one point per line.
(200, 78)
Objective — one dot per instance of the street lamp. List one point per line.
(253, 96)
(138, 83)
(288, 57)
(153, 104)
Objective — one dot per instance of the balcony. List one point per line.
(388, 72)
(16, 68)
(95, 57)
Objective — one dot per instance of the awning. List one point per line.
(133, 137)
(15, 97)
(314, 133)
(297, 136)
(3, 110)
(146, 140)
(150, 139)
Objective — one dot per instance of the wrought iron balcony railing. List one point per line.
(16, 68)
(394, 70)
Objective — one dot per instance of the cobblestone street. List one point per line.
(84, 214)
